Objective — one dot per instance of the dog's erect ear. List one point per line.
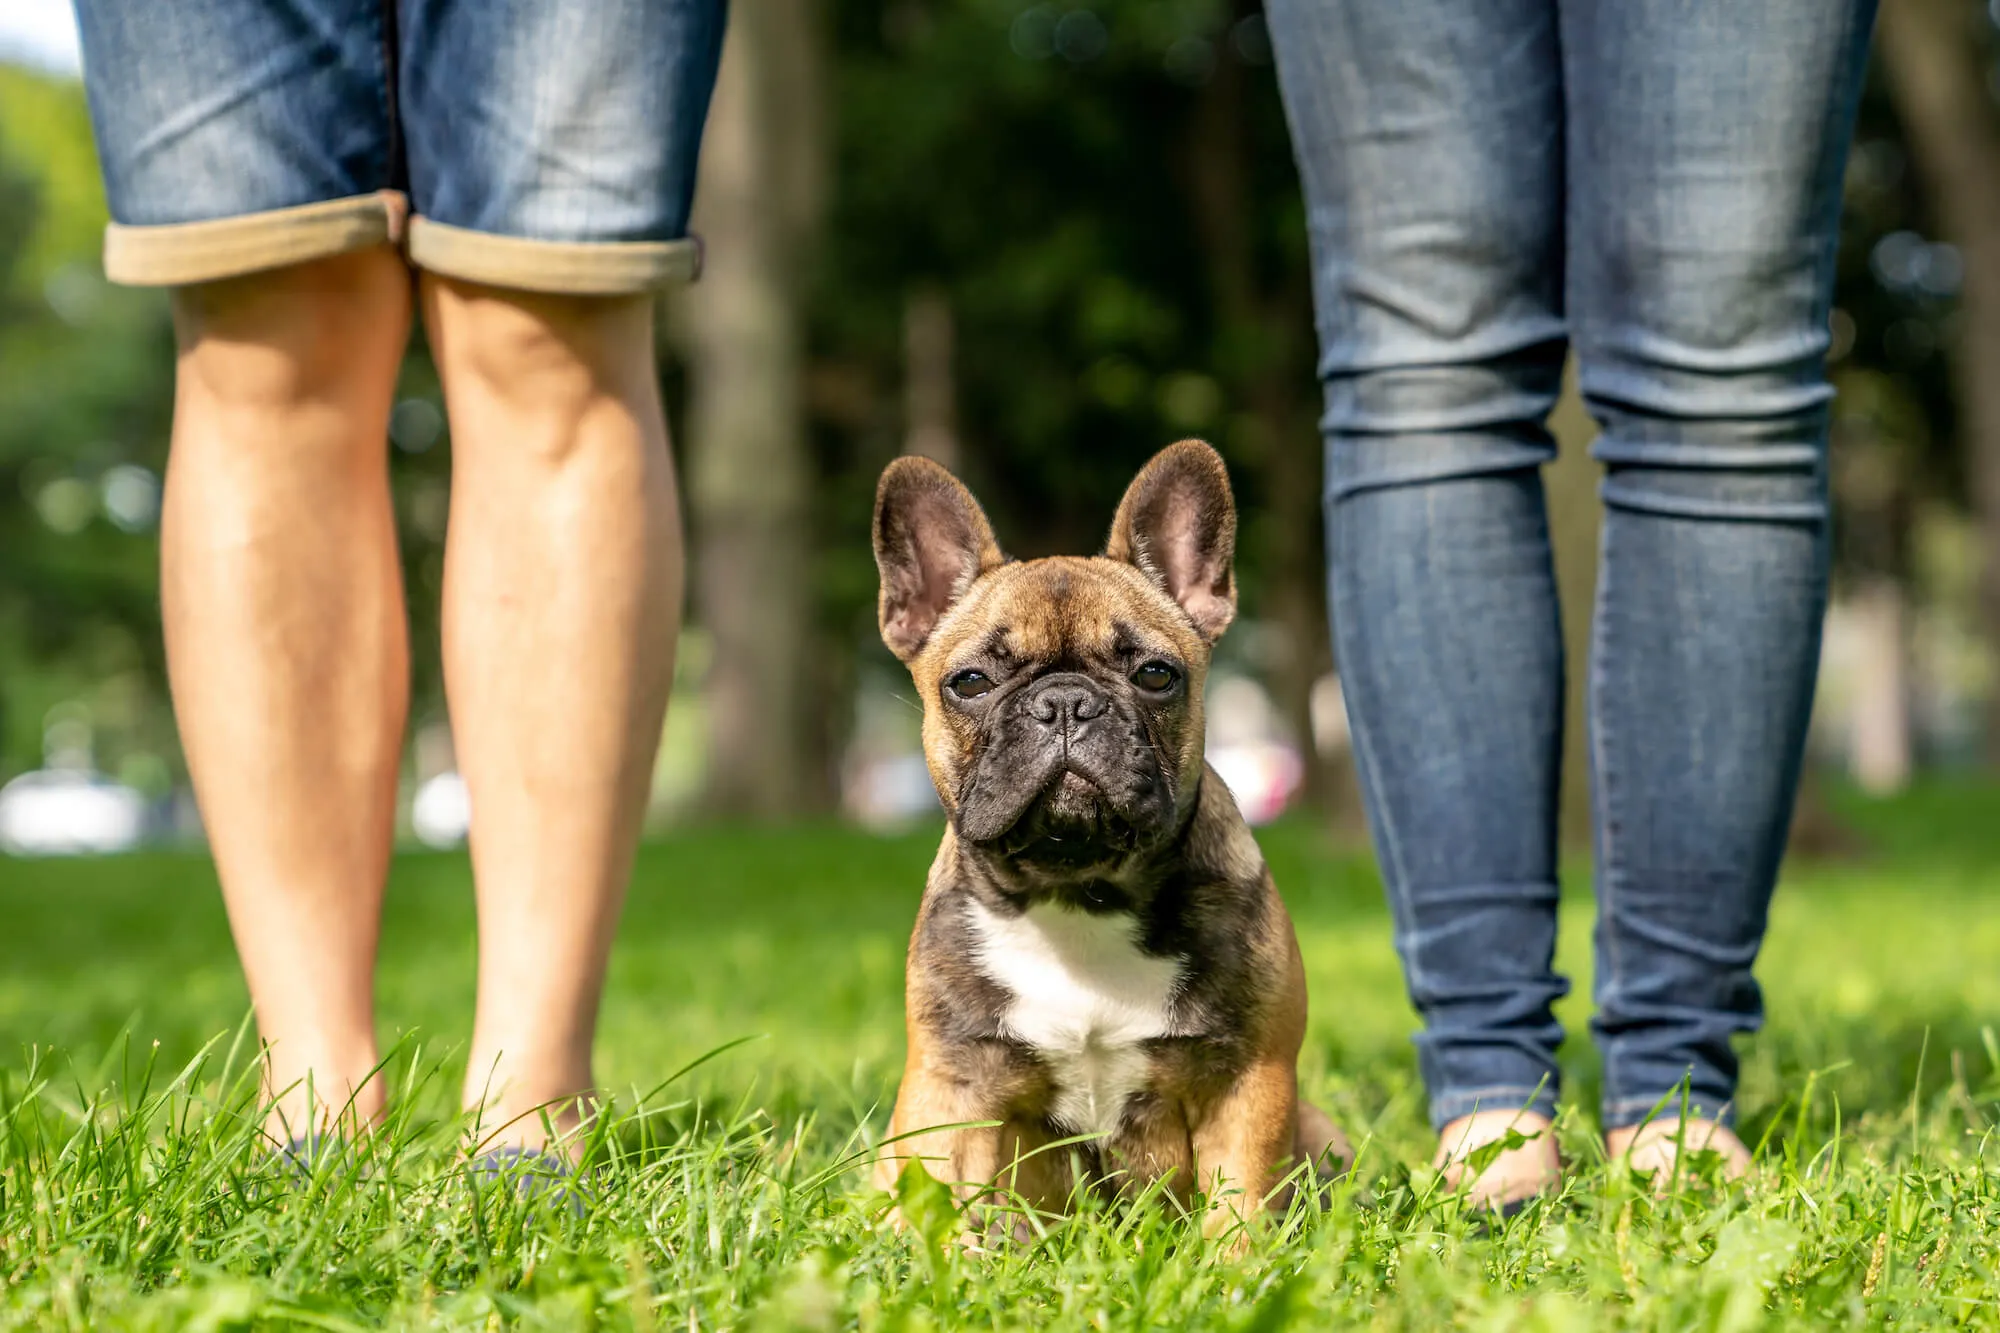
(931, 541)
(1177, 523)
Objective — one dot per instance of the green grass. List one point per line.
(132, 1192)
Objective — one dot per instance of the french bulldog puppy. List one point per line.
(1100, 950)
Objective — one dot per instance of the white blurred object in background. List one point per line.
(66, 807)
(1261, 777)
(1248, 748)
(41, 33)
(884, 784)
(63, 812)
(1331, 734)
(888, 791)
(441, 813)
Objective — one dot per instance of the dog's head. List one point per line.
(1062, 697)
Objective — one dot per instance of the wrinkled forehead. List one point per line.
(1066, 608)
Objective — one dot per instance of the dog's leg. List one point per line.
(1243, 1143)
(1322, 1143)
(1036, 1178)
(935, 1122)
(994, 1169)
(1152, 1146)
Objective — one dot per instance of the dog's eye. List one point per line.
(969, 684)
(1155, 676)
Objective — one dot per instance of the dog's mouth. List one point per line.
(1070, 825)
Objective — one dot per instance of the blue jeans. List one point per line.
(1654, 184)
(524, 143)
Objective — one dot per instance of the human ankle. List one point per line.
(314, 1106)
(1512, 1174)
(522, 1109)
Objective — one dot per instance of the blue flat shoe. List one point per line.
(533, 1173)
(300, 1157)
(303, 1152)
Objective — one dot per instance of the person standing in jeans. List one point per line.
(303, 174)
(1656, 185)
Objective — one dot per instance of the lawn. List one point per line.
(132, 1192)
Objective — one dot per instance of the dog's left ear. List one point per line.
(931, 541)
(1177, 523)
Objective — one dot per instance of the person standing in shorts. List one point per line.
(308, 176)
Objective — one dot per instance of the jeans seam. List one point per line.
(1364, 757)
(1602, 818)
(1364, 754)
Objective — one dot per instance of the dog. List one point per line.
(1103, 986)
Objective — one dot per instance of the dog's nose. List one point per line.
(1067, 699)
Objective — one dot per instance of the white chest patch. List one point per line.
(1083, 997)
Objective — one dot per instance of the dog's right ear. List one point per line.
(931, 541)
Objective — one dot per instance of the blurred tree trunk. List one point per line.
(1934, 54)
(1574, 526)
(750, 473)
(1265, 359)
(930, 392)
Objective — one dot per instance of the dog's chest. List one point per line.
(1084, 998)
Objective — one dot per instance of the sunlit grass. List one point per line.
(136, 1191)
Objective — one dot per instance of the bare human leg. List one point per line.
(287, 648)
(563, 584)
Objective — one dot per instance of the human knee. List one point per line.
(1440, 323)
(1743, 399)
(1436, 387)
(1705, 324)
(1419, 424)
(1706, 365)
(540, 356)
(1439, 302)
(1735, 492)
(1441, 355)
(1711, 431)
(308, 333)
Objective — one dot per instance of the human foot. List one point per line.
(1513, 1176)
(1655, 1147)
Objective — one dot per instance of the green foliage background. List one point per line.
(1103, 192)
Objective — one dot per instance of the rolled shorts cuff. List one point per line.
(567, 268)
(184, 253)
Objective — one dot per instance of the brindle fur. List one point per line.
(1130, 819)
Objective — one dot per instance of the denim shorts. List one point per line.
(533, 144)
